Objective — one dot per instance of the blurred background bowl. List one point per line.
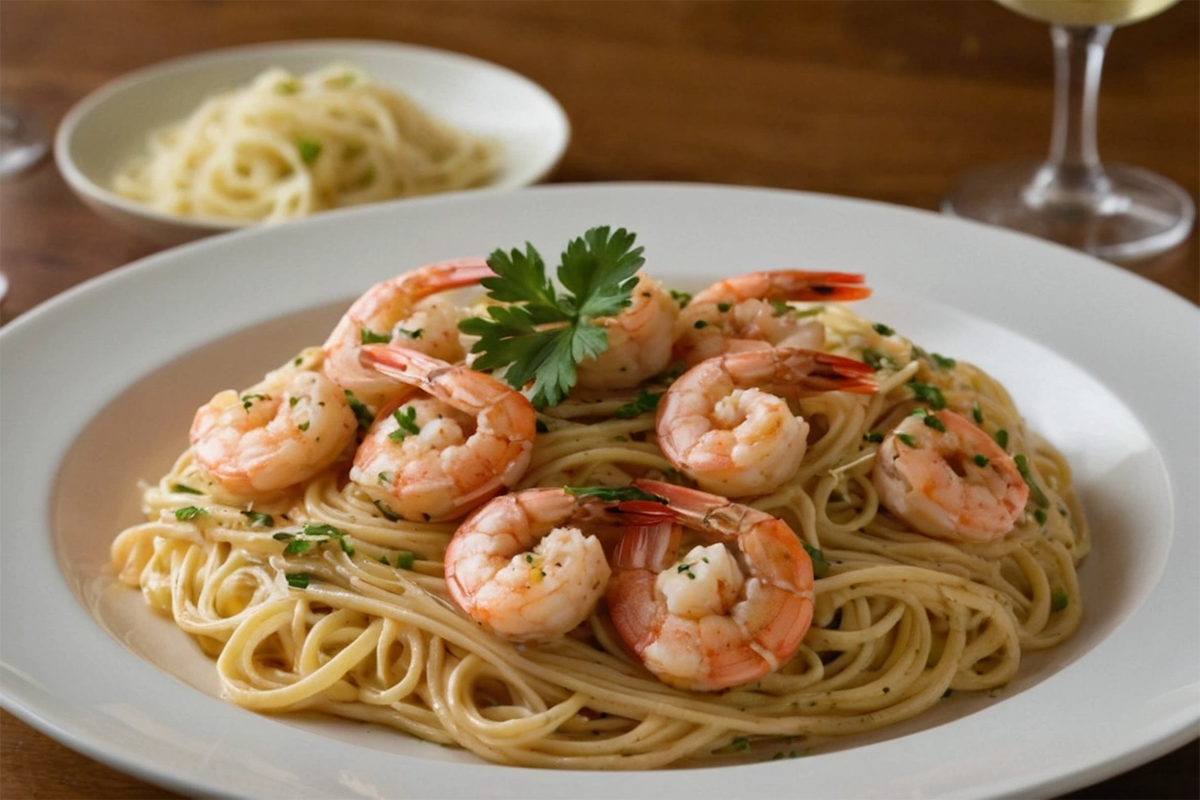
(109, 126)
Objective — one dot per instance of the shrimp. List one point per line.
(522, 566)
(744, 313)
(436, 457)
(403, 310)
(276, 434)
(639, 340)
(948, 479)
(723, 425)
(711, 619)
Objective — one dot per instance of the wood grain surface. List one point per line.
(882, 99)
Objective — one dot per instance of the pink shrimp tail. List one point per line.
(401, 363)
(838, 373)
(830, 286)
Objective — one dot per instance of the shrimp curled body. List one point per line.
(406, 311)
(437, 456)
(280, 432)
(722, 424)
(639, 340)
(523, 567)
(714, 618)
(949, 479)
(749, 312)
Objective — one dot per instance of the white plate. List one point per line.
(110, 125)
(100, 383)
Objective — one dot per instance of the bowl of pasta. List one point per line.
(268, 133)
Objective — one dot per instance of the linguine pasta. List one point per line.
(286, 146)
(360, 624)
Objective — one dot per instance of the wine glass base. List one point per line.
(1144, 214)
(22, 141)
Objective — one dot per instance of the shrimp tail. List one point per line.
(401, 363)
(838, 373)
(815, 286)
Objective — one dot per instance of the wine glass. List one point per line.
(1113, 211)
(22, 140)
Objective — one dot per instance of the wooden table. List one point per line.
(881, 100)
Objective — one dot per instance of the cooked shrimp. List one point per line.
(746, 312)
(276, 434)
(639, 340)
(525, 565)
(723, 424)
(713, 618)
(438, 456)
(947, 478)
(404, 311)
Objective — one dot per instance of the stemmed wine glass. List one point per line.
(1113, 211)
(22, 140)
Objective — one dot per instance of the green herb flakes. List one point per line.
(258, 519)
(645, 403)
(188, 513)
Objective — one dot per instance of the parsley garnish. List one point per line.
(541, 335)
(681, 298)
(882, 330)
(1058, 600)
(929, 419)
(907, 438)
(258, 519)
(928, 393)
(406, 418)
(873, 436)
(361, 412)
(188, 513)
(1039, 496)
(183, 489)
(877, 361)
(943, 362)
(298, 580)
(309, 150)
(613, 495)
(820, 565)
(369, 336)
(385, 509)
(248, 400)
(313, 534)
(645, 403)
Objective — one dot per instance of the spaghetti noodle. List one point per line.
(287, 146)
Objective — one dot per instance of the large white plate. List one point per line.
(99, 385)
(109, 126)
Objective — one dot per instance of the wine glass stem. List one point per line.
(1073, 174)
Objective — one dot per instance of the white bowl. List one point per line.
(110, 125)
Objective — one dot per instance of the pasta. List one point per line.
(358, 621)
(287, 146)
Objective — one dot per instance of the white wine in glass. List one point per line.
(1113, 211)
(1084, 13)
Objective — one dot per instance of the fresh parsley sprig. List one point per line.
(540, 334)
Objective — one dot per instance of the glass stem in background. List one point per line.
(1073, 176)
